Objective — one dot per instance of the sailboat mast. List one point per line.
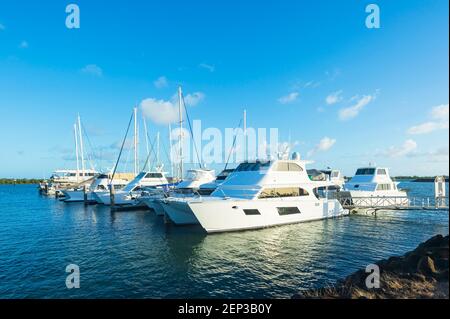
(157, 148)
(245, 136)
(180, 97)
(135, 142)
(76, 149)
(146, 138)
(170, 151)
(81, 147)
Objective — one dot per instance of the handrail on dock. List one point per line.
(394, 203)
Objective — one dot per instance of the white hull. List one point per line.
(154, 205)
(77, 196)
(228, 215)
(120, 198)
(179, 212)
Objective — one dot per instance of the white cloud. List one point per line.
(93, 70)
(439, 155)
(194, 98)
(161, 82)
(334, 97)
(209, 67)
(291, 97)
(407, 148)
(159, 111)
(440, 112)
(324, 145)
(23, 45)
(439, 115)
(165, 112)
(353, 111)
(427, 127)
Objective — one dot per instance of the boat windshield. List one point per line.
(247, 167)
(365, 171)
(130, 186)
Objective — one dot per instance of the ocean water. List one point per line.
(136, 255)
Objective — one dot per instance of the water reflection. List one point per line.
(136, 254)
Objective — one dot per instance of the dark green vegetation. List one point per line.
(417, 178)
(20, 181)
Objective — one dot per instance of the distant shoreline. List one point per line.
(15, 181)
(19, 181)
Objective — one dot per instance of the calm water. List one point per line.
(136, 255)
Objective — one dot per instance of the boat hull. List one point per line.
(77, 196)
(229, 215)
(179, 212)
(154, 204)
(120, 198)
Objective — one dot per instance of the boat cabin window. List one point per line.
(383, 187)
(288, 210)
(184, 191)
(334, 174)
(321, 192)
(381, 171)
(251, 212)
(224, 174)
(153, 175)
(282, 192)
(101, 187)
(205, 191)
(287, 167)
(365, 171)
(247, 167)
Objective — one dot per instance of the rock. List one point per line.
(426, 266)
(421, 273)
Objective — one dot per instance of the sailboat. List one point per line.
(62, 179)
(187, 186)
(127, 195)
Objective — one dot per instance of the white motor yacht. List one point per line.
(263, 194)
(374, 182)
(166, 203)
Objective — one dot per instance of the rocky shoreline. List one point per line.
(421, 273)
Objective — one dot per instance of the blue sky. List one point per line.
(348, 95)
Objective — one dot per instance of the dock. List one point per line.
(392, 203)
